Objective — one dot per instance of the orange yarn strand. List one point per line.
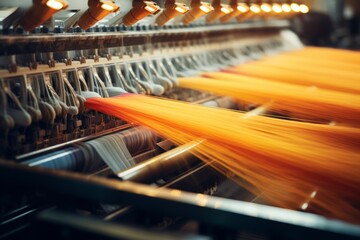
(321, 67)
(294, 100)
(287, 162)
(331, 53)
(346, 77)
(296, 77)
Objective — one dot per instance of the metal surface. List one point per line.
(214, 211)
(57, 221)
(69, 143)
(170, 162)
(65, 42)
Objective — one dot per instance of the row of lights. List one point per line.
(42, 10)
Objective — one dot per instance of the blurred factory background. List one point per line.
(334, 23)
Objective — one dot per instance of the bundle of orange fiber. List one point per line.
(330, 53)
(297, 101)
(295, 165)
(325, 68)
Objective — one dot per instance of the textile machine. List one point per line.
(68, 172)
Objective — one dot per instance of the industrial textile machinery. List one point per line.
(67, 172)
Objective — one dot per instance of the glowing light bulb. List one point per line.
(140, 10)
(206, 8)
(277, 8)
(226, 10)
(182, 9)
(98, 9)
(220, 10)
(303, 8)
(198, 10)
(171, 11)
(286, 8)
(150, 8)
(108, 7)
(56, 5)
(40, 12)
(295, 7)
(266, 7)
(241, 7)
(255, 8)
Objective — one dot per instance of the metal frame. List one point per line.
(214, 211)
(22, 44)
(98, 229)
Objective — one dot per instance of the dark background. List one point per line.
(333, 23)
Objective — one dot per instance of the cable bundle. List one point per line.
(291, 164)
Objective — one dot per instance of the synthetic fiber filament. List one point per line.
(289, 163)
(298, 101)
(324, 68)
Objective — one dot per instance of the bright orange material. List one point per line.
(311, 66)
(308, 103)
(289, 163)
(296, 77)
(332, 73)
(314, 62)
(331, 53)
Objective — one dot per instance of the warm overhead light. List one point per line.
(238, 10)
(140, 10)
(255, 8)
(108, 6)
(98, 9)
(242, 7)
(172, 10)
(54, 4)
(295, 7)
(286, 7)
(40, 12)
(303, 8)
(277, 8)
(265, 7)
(181, 8)
(226, 9)
(151, 8)
(206, 8)
(220, 10)
(198, 9)
(246, 12)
